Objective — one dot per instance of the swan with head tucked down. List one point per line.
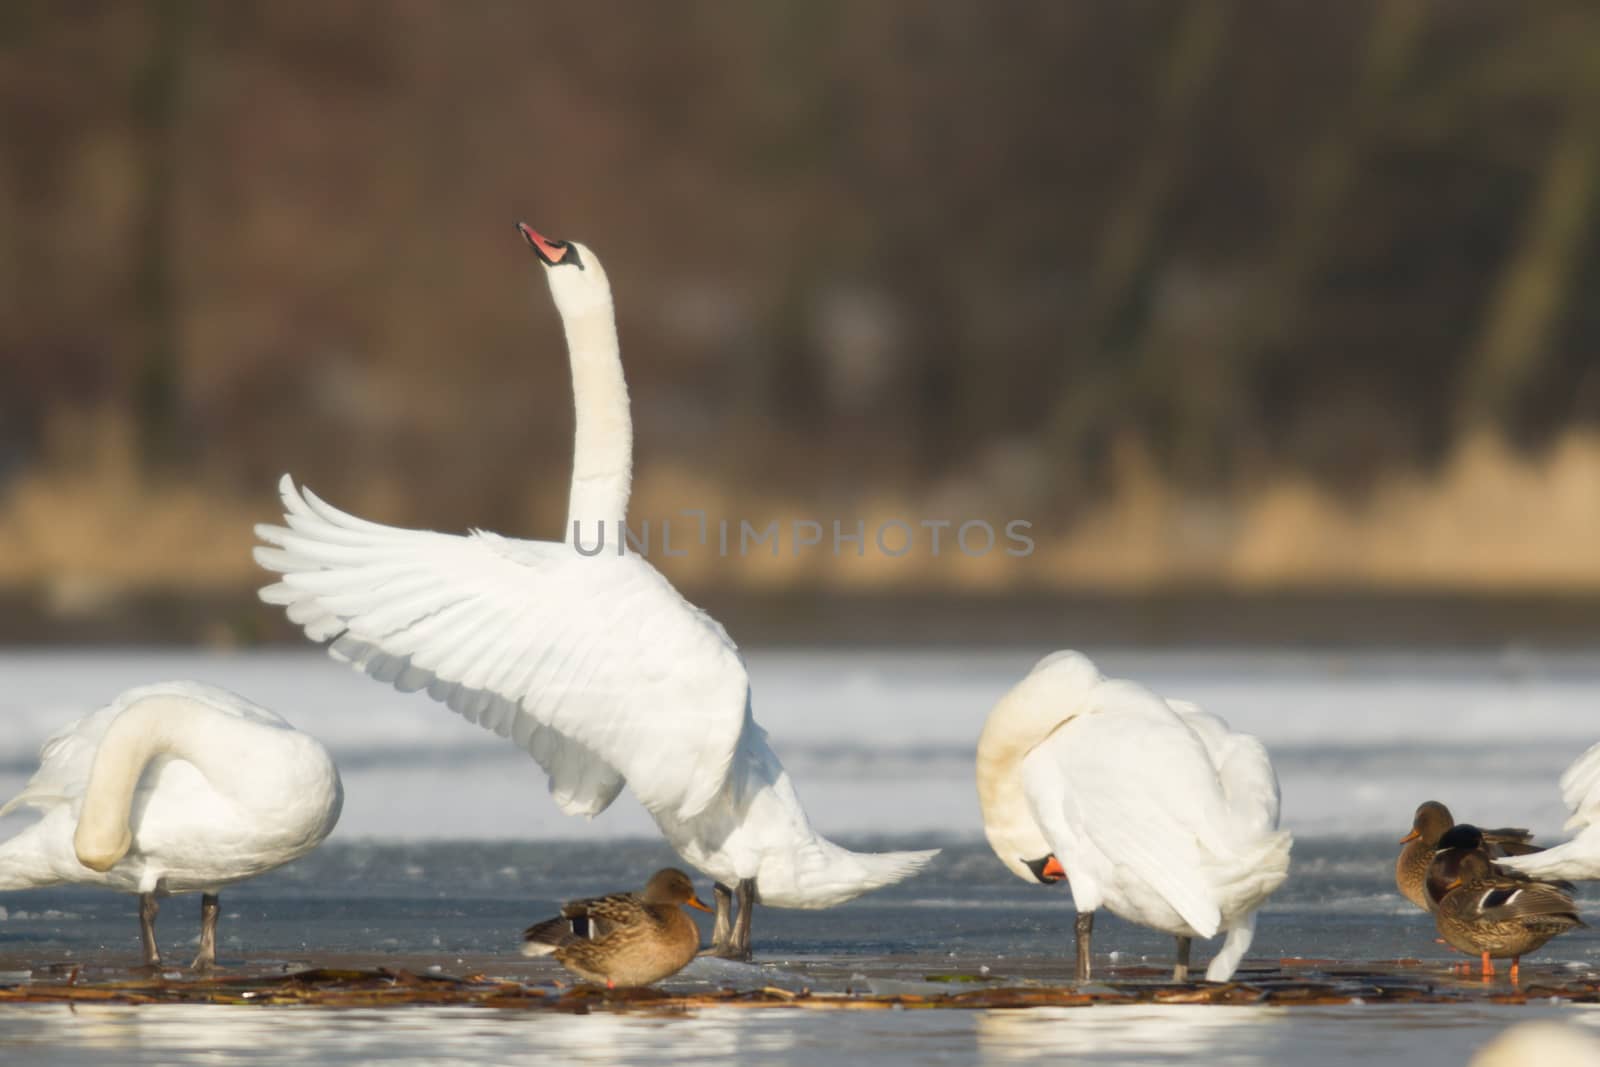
(591, 661)
(1151, 808)
(179, 787)
(1578, 859)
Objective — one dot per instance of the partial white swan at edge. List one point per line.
(1578, 859)
(172, 788)
(1148, 807)
(593, 663)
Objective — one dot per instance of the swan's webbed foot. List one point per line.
(730, 938)
(1084, 929)
(1180, 970)
(149, 908)
(722, 927)
(210, 908)
(741, 926)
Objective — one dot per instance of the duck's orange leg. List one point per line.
(1488, 966)
(1516, 962)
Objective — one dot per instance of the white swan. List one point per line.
(1151, 808)
(1579, 858)
(593, 663)
(172, 788)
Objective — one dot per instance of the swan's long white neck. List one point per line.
(1034, 709)
(602, 448)
(152, 727)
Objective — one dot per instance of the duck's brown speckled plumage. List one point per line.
(624, 939)
(1431, 821)
(1494, 913)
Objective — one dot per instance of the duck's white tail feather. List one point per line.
(1234, 946)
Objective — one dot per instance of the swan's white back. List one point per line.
(273, 797)
(1157, 811)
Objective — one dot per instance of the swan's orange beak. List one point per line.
(551, 252)
(1052, 871)
(1412, 836)
(697, 904)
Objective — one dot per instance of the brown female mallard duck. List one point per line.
(625, 939)
(1428, 825)
(1494, 913)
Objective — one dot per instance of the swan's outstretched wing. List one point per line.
(1131, 778)
(595, 665)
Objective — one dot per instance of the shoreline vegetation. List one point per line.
(1293, 302)
(1493, 547)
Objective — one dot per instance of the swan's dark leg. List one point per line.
(1085, 930)
(722, 928)
(210, 907)
(1180, 972)
(149, 907)
(741, 926)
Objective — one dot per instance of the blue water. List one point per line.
(383, 901)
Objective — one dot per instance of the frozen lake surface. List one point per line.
(882, 742)
(449, 846)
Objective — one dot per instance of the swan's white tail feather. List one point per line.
(1252, 874)
(827, 874)
(1578, 859)
(26, 862)
(1234, 946)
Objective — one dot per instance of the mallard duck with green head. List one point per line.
(1489, 912)
(1430, 823)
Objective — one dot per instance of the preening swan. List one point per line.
(593, 663)
(172, 788)
(1151, 808)
(1579, 858)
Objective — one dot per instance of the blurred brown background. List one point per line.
(1235, 302)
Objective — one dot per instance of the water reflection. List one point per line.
(1417, 1035)
(201, 1034)
(1205, 1033)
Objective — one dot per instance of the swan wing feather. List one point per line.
(594, 664)
(1243, 766)
(1140, 786)
(1580, 789)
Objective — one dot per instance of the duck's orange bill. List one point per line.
(697, 904)
(1453, 885)
(1412, 836)
(1053, 870)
